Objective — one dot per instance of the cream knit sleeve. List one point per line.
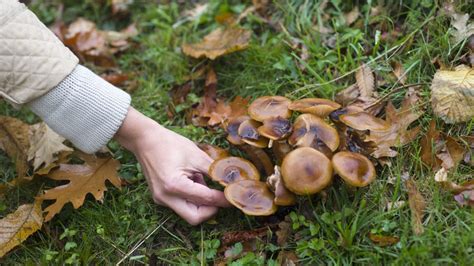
(83, 108)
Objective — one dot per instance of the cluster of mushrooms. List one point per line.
(307, 151)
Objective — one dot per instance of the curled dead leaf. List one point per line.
(16, 227)
(452, 94)
(219, 42)
(417, 205)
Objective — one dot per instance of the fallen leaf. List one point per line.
(94, 45)
(16, 227)
(45, 144)
(219, 42)
(120, 7)
(83, 179)
(14, 140)
(417, 206)
(452, 153)
(287, 258)
(465, 198)
(229, 238)
(399, 72)
(462, 29)
(116, 79)
(429, 141)
(303, 52)
(452, 94)
(351, 16)
(382, 240)
(365, 81)
(283, 231)
(398, 133)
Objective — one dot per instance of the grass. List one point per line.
(326, 230)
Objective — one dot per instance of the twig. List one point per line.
(383, 98)
(142, 241)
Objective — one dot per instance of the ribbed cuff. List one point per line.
(83, 108)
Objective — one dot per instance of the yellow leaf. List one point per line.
(452, 94)
(18, 226)
(14, 140)
(44, 145)
(219, 42)
(83, 179)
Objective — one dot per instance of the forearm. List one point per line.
(83, 108)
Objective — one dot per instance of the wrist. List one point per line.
(135, 131)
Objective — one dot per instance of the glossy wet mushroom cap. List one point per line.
(269, 106)
(354, 168)
(283, 197)
(275, 128)
(231, 169)
(252, 197)
(232, 129)
(248, 131)
(213, 151)
(306, 171)
(316, 106)
(309, 128)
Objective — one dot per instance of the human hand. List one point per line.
(174, 167)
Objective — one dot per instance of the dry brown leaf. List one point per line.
(462, 29)
(417, 206)
(351, 16)
(283, 232)
(229, 238)
(116, 79)
(464, 193)
(365, 81)
(382, 240)
(45, 144)
(94, 45)
(287, 258)
(452, 94)
(83, 179)
(16, 227)
(120, 7)
(14, 140)
(398, 133)
(399, 72)
(219, 42)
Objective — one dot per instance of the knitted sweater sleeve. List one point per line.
(83, 108)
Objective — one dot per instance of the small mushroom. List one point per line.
(269, 106)
(283, 197)
(249, 134)
(259, 158)
(252, 197)
(280, 150)
(309, 128)
(232, 129)
(316, 106)
(354, 168)
(231, 169)
(275, 128)
(306, 171)
(213, 151)
(364, 121)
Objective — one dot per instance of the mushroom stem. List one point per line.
(270, 143)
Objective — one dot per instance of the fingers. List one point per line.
(203, 162)
(197, 192)
(192, 213)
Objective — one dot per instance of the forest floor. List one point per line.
(330, 229)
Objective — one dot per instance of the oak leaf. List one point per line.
(219, 42)
(452, 94)
(83, 179)
(45, 144)
(14, 140)
(16, 227)
(397, 133)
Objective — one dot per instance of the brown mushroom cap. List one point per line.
(232, 129)
(275, 128)
(308, 127)
(306, 171)
(316, 106)
(269, 106)
(283, 197)
(354, 168)
(248, 131)
(213, 151)
(364, 121)
(231, 169)
(252, 197)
